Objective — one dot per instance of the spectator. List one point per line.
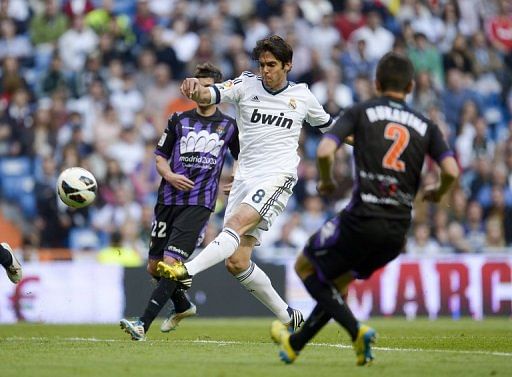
(498, 182)
(454, 96)
(52, 221)
(378, 39)
(425, 94)
(54, 78)
(350, 19)
(181, 39)
(495, 238)
(118, 253)
(159, 95)
(12, 79)
(457, 240)
(13, 45)
(144, 74)
(484, 59)
(144, 22)
(458, 56)
(474, 227)
(421, 243)
(90, 106)
(77, 8)
(440, 228)
(425, 57)
(450, 28)
(355, 62)
(75, 44)
(127, 100)
(501, 211)
(324, 37)
(314, 214)
(112, 216)
(332, 84)
(128, 150)
(45, 30)
(20, 116)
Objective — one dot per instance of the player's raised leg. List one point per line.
(11, 264)
(223, 246)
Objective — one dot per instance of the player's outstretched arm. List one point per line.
(191, 88)
(449, 174)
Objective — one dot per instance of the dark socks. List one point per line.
(159, 298)
(332, 303)
(180, 301)
(316, 320)
(5, 257)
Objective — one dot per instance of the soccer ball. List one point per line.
(76, 187)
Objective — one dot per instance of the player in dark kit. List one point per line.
(390, 144)
(189, 157)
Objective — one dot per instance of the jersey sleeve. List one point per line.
(316, 116)
(344, 126)
(438, 149)
(168, 138)
(228, 91)
(234, 144)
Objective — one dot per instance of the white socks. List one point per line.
(258, 283)
(222, 247)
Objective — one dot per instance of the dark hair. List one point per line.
(394, 72)
(208, 70)
(277, 46)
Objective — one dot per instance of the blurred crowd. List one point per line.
(91, 83)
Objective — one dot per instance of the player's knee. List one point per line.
(235, 222)
(303, 268)
(243, 220)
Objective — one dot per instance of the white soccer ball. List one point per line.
(76, 187)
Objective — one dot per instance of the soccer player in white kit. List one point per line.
(270, 114)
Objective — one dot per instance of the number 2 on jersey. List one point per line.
(400, 136)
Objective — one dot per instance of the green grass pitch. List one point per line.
(242, 347)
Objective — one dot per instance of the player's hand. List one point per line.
(189, 87)
(180, 182)
(431, 194)
(326, 188)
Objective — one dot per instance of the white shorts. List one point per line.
(267, 195)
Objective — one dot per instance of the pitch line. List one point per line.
(235, 342)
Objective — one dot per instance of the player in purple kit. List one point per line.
(189, 157)
(391, 141)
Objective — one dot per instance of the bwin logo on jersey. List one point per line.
(202, 142)
(278, 121)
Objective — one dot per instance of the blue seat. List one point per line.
(28, 205)
(14, 187)
(15, 166)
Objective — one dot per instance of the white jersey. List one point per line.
(269, 124)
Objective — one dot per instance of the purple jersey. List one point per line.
(196, 147)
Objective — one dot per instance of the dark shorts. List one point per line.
(361, 245)
(177, 230)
